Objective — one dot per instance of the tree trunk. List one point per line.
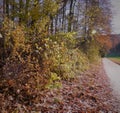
(26, 11)
(4, 8)
(20, 11)
(63, 19)
(85, 27)
(7, 8)
(70, 16)
(51, 27)
(13, 9)
(56, 23)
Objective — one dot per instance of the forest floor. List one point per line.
(90, 92)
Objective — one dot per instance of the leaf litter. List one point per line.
(89, 92)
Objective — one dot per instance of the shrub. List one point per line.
(91, 49)
(64, 59)
(93, 52)
(52, 57)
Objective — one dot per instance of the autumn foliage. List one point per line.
(105, 43)
(41, 60)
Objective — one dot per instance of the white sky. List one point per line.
(116, 16)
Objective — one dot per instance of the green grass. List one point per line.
(115, 59)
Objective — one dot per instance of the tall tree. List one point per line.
(70, 18)
(12, 9)
(7, 8)
(21, 5)
(4, 7)
(27, 11)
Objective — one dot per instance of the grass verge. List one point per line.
(115, 59)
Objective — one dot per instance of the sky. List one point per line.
(116, 16)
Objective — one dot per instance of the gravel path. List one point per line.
(113, 71)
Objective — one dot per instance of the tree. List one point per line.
(52, 16)
(70, 17)
(96, 16)
(27, 10)
(105, 44)
(4, 6)
(12, 10)
(7, 8)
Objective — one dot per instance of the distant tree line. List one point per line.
(115, 45)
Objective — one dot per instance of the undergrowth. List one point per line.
(35, 61)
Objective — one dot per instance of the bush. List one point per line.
(51, 57)
(93, 52)
(64, 59)
(91, 49)
(35, 61)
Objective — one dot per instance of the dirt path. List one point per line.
(113, 71)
